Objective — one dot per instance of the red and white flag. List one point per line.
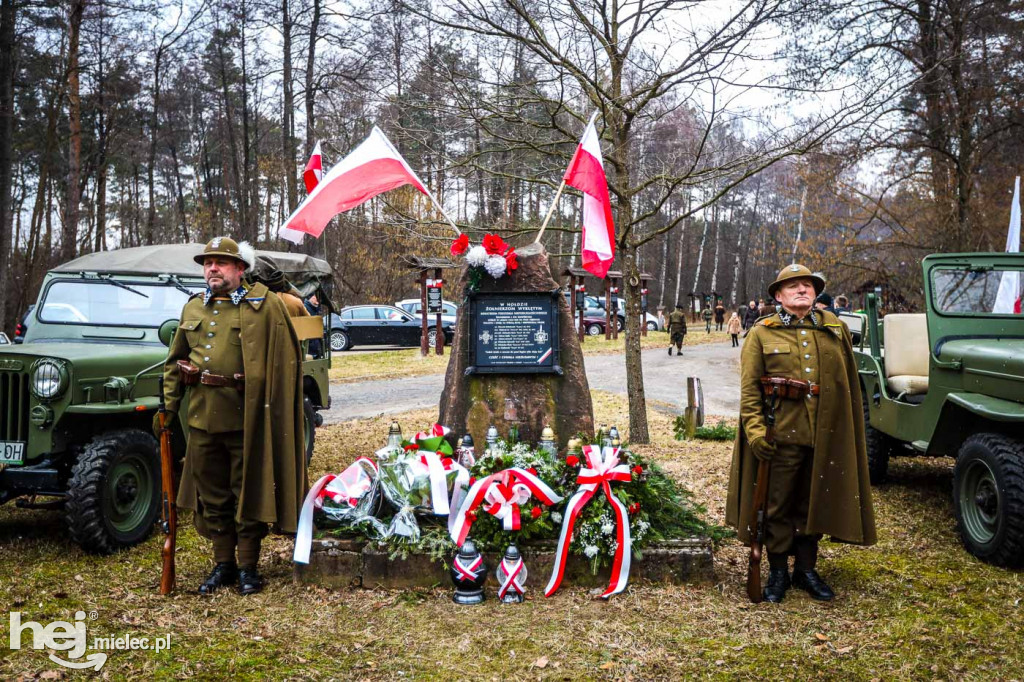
(375, 166)
(586, 173)
(314, 169)
(1009, 294)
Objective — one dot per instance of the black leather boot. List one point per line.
(224, 573)
(249, 581)
(778, 583)
(670, 350)
(809, 581)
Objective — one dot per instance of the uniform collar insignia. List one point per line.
(236, 296)
(787, 318)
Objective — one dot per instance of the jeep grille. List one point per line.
(13, 406)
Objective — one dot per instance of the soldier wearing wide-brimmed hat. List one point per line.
(818, 483)
(245, 465)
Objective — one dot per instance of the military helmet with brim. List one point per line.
(226, 247)
(796, 271)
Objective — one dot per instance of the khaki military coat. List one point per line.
(274, 465)
(832, 423)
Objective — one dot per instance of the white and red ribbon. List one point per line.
(347, 487)
(515, 578)
(601, 468)
(467, 572)
(502, 492)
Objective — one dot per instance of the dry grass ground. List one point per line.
(915, 606)
(389, 364)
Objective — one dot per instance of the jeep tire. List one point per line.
(988, 498)
(309, 424)
(879, 446)
(114, 491)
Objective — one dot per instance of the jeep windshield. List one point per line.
(100, 302)
(976, 291)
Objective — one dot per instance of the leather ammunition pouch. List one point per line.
(236, 382)
(790, 389)
(188, 373)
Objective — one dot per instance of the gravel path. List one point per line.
(717, 365)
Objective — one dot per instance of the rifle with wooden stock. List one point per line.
(759, 508)
(168, 510)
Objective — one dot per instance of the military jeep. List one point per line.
(950, 382)
(77, 397)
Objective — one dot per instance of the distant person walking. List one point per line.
(706, 316)
(734, 329)
(677, 329)
(719, 316)
(750, 315)
(764, 309)
(842, 304)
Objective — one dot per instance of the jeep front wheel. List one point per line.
(308, 427)
(988, 498)
(879, 446)
(114, 491)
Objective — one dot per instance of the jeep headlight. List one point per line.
(49, 379)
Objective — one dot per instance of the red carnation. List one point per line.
(470, 516)
(494, 244)
(638, 470)
(510, 260)
(460, 245)
(634, 508)
(535, 512)
(472, 480)
(532, 471)
(572, 460)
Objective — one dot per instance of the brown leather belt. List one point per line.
(191, 376)
(791, 389)
(236, 382)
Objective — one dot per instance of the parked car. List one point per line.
(4, 339)
(594, 307)
(77, 398)
(449, 310)
(950, 382)
(650, 320)
(381, 325)
(594, 325)
(19, 331)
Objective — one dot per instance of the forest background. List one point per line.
(853, 136)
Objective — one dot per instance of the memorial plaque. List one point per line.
(434, 300)
(514, 333)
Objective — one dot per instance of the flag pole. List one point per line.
(440, 210)
(551, 210)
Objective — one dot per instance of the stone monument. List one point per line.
(516, 360)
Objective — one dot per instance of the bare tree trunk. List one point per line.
(718, 241)
(799, 224)
(69, 228)
(7, 61)
(682, 246)
(288, 107)
(664, 269)
(314, 27)
(700, 253)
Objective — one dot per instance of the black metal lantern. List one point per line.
(469, 573)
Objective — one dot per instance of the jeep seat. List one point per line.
(906, 353)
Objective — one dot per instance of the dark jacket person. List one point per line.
(245, 465)
(819, 475)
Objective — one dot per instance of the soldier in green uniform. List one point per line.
(706, 315)
(677, 329)
(244, 468)
(819, 477)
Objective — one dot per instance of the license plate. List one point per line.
(12, 452)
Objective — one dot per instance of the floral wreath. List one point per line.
(494, 255)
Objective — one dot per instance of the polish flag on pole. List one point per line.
(314, 169)
(375, 166)
(1008, 297)
(586, 173)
